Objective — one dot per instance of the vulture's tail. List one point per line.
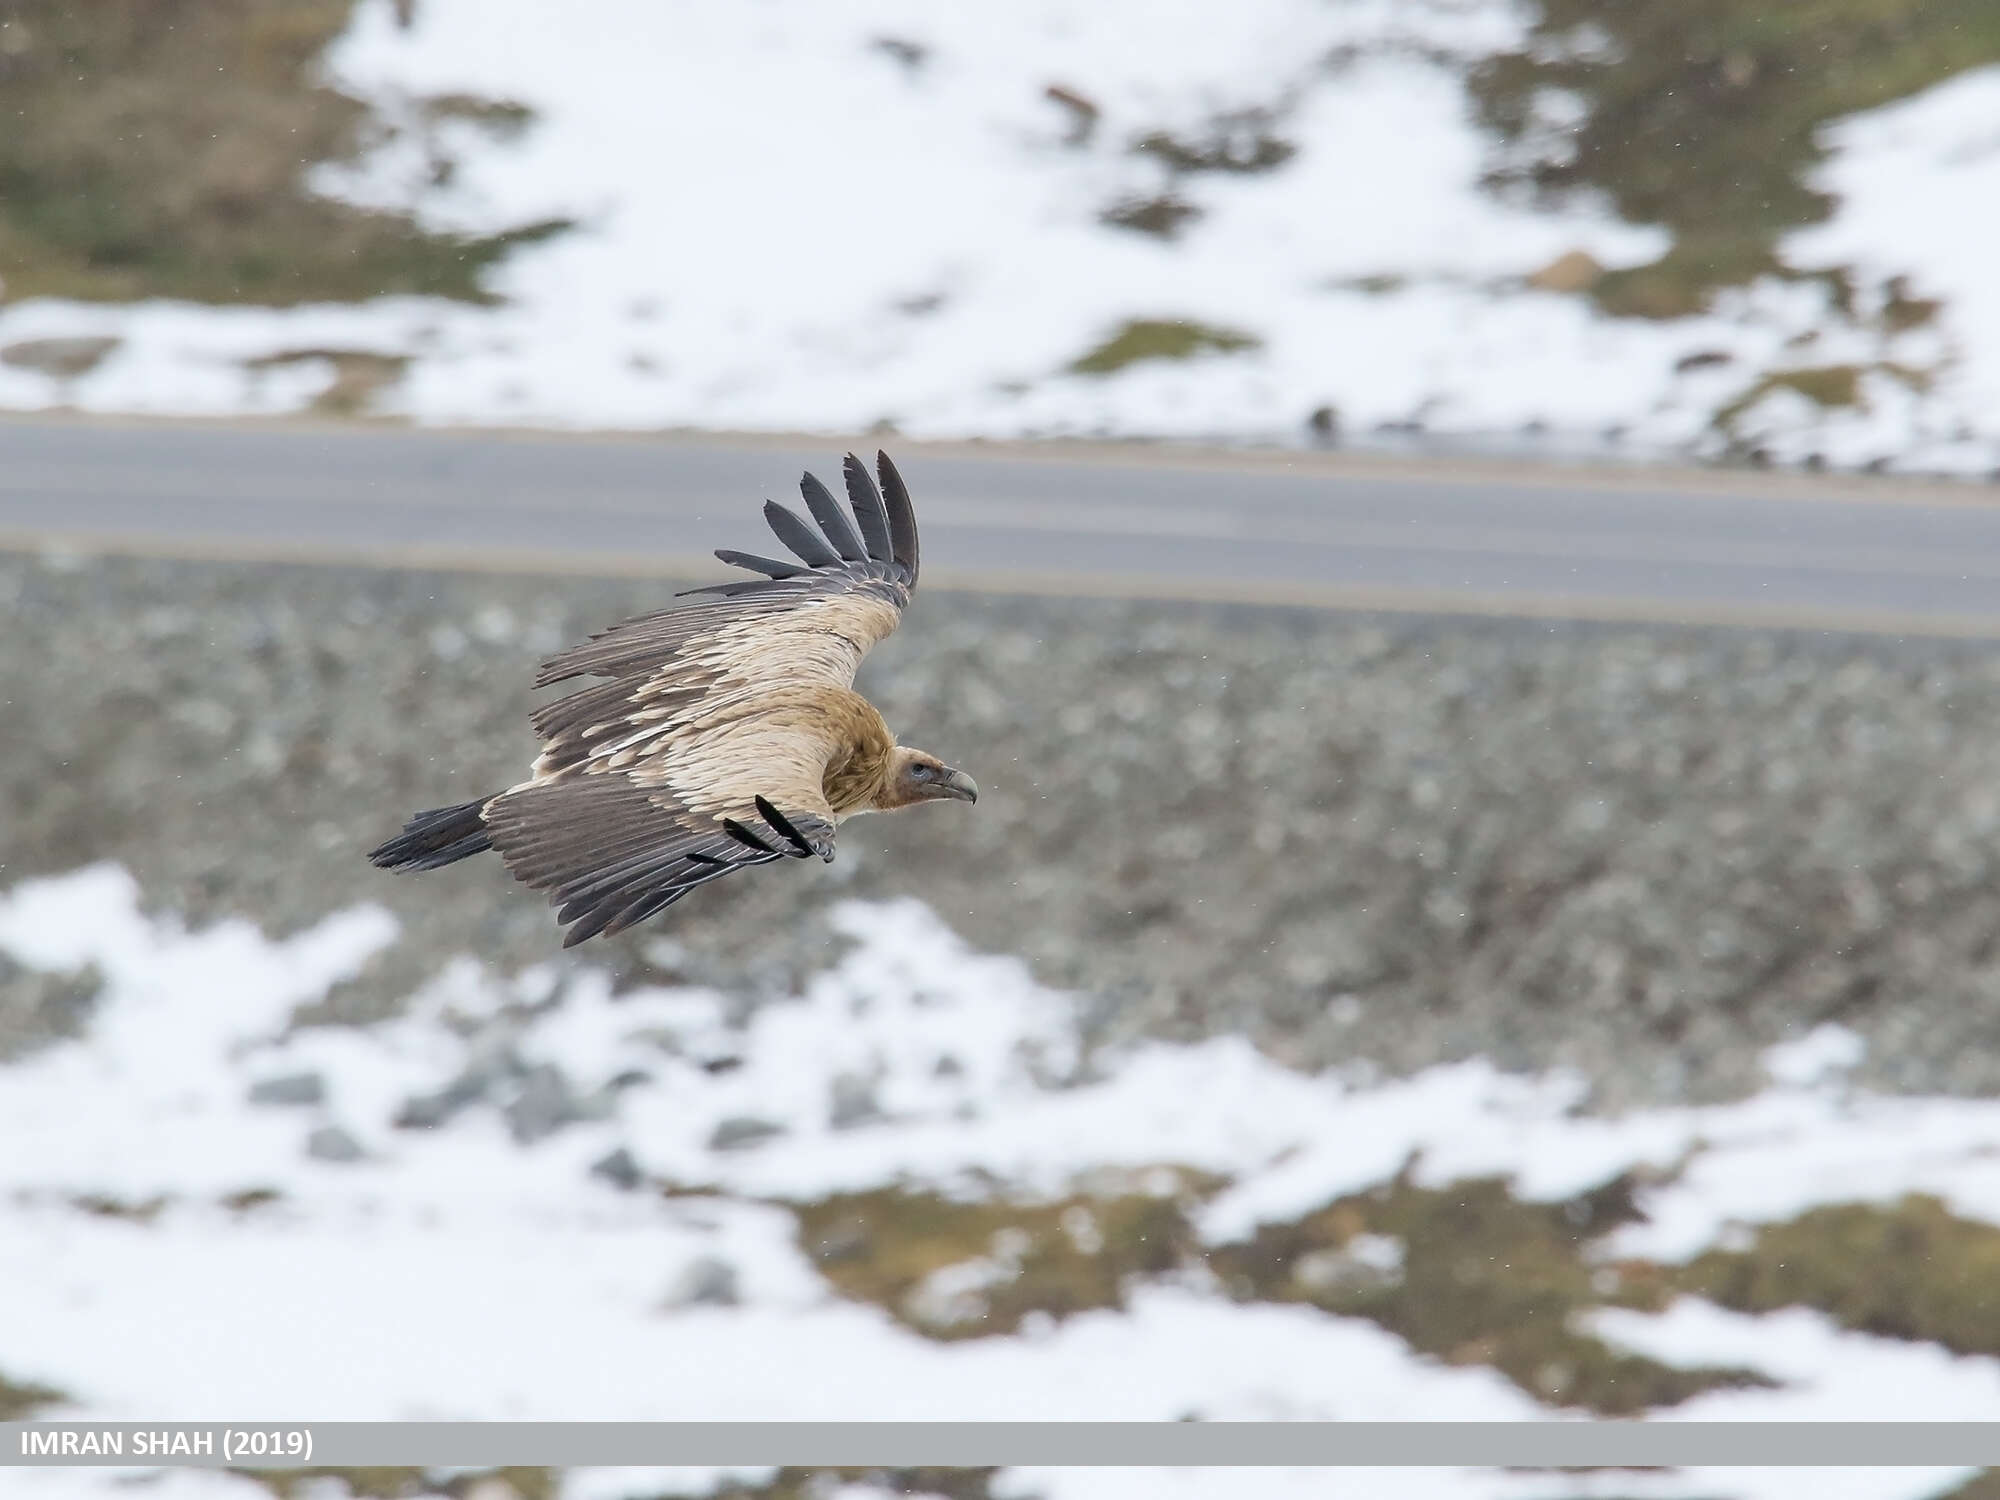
(437, 837)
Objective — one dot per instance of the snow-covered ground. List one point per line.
(821, 216)
(481, 1269)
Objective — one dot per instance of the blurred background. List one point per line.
(1459, 545)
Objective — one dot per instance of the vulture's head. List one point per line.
(918, 776)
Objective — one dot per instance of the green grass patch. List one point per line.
(1146, 338)
(1702, 116)
(161, 149)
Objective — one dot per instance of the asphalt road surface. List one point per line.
(1302, 528)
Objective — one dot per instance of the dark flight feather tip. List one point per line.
(732, 589)
(783, 824)
(832, 520)
(902, 518)
(589, 926)
(436, 838)
(644, 907)
(743, 835)
(770, 567)
(868, 509)
(792, 530)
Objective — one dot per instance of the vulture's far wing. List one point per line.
(705, 748)
(752, 629)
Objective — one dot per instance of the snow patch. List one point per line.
(177, 1248)
(818, 217)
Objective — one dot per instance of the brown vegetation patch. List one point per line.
(1908, 1270)
(20, 1400)
(1475, 1276)
(1241, 143)
(1984, 1485)
(1468, 1273)
(359, 375)
(1574, 271)
(1829, 387)
(169, 150)
(1148, 338)
(1704, 117)
(64, 358)
(111, 1206)
(1163, 217)
(953, 1269)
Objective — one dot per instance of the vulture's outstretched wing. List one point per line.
(705, 749)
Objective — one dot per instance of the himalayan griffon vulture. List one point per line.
(724, 733)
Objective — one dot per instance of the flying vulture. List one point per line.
(724, 733)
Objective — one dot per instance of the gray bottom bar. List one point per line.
(965, 1444)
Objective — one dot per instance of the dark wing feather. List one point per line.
(839, 530)
(866, 502)
(792, 530)
(611, 852)
(801, 845)
(902, 518)
(769, 566)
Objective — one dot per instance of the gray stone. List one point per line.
(618, 1169)
(331, 1143)
(852, 1101)
(429, 1111)
(706, 1281)
(289, 1089)
(38, 1008)
(742, 1133)
(542, 1106)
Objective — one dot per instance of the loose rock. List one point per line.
(331, 1143)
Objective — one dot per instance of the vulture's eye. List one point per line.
(920, 773)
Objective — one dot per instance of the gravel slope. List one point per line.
(1371, 841)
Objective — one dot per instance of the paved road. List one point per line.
(1302, 528)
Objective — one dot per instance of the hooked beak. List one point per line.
(958, 784)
